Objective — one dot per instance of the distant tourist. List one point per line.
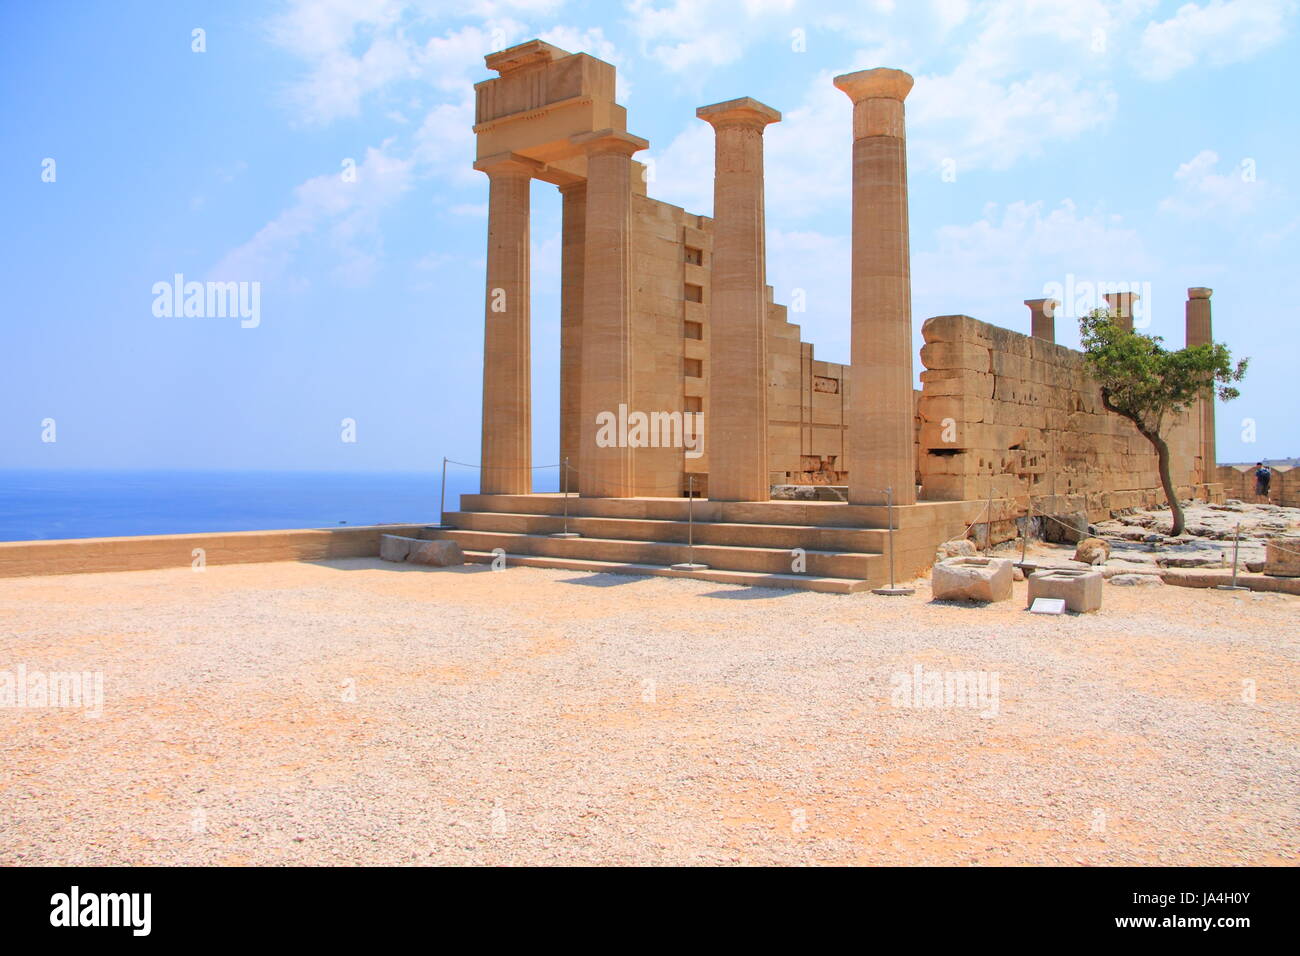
(1263, 476)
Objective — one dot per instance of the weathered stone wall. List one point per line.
(1239, 482)
(1014, 417)
(805, 407)
(671, 287)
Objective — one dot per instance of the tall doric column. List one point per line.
(507, 451)
(1121, 307)
(738, 461)
(572, 268)
(1200, 332)
(607, 467)
(880, 453)
(1042, 321)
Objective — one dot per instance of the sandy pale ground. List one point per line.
(359, 712)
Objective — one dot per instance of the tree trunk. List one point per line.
(1162, 456)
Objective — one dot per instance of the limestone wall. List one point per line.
(805, 407)
(1239, 482)
(147, 552)
(671, 267)
(1015, 417)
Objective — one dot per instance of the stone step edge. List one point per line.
(823, 584)
(681, 521)
(667, 544)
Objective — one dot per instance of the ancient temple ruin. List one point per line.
(668, 322)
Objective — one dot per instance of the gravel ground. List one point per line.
(353, 712)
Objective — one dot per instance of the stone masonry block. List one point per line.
(1081, 590)
(955, 355)
(972, 579)
(440, 554)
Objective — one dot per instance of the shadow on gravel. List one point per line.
(603, 579)
(372, 564)
(750, 593)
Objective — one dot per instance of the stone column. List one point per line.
(1200, 332)
(1042, 321)
(572, 268)
(507, 450)
(880, 453)
(738, 460)
(606, 351)
(1121, 307)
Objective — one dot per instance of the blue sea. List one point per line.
(96, 504)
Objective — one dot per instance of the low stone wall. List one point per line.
(1239, 482)
(1015, 418)
(148, 552)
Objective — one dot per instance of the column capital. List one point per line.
(1121, 302)
(880, 83)
(609, 141)
(745, 111)
(1199, 292)
(1045, 306)
(509, 164)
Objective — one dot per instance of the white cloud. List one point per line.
(1203, 191)
(985, 123)
(1217, 33)
(986, 268)
(1034, 72)
(324, 34)
(684, 35)
(345, 213)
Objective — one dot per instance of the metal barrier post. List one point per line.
(564, 483)
(892, 590)
(689, 564)
(442, 502)
(1236, 544)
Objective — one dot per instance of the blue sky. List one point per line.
(1111, 141)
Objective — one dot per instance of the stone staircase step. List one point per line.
(856, 540)
(815, 513)
(752, 558)
(805, 582)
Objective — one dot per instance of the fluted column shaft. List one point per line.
(1121, 307)
(507, 381)
(1200, 332)
(607, 468)
(738, 462)
(881, 424)
(572, 269)
(1042, 321)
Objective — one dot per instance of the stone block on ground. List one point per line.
(1092, 551)
(1081, 590)
(441, 554)
(1067, 528)
(972, 579)
(956, 548)
(1135, 580)
(393, 547)
(1282, 556)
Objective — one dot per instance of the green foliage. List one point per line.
(1147, 383)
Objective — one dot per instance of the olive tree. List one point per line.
(1152, 386)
